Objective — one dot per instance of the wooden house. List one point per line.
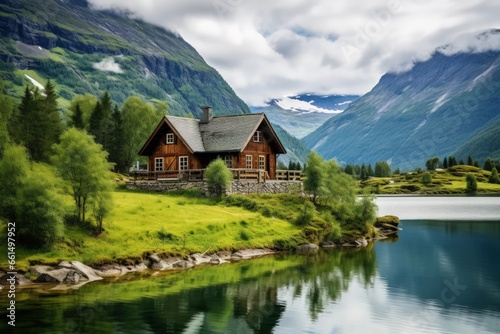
(245, 142)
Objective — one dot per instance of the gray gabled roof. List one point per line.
(221, 134)
(229, 133)
(189, 130)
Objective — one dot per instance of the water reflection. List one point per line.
(436, 277)
(204, 300)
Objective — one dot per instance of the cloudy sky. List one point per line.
(272, 48)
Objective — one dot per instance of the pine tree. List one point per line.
(445, 163)
(95, 122)
(77, 118)
(24, 122)
(470, 162)
(452, 161)
(349, 170)
(116, 148)
(488, 164)
(370, 171)
(101, 121)
(49, 126)
(6, 108)
(363, 173)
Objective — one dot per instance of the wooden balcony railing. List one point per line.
(198, 175)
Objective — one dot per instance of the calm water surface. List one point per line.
(436, 277)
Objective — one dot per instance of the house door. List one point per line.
(170, 163)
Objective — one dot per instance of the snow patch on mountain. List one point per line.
(296, 105)
(439, 102)
(34, 82)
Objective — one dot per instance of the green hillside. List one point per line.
(483, 145)
(88, 51)
(431, 110)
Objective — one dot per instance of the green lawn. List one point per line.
(163, 223)
(451, 181)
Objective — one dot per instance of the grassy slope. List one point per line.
(146, 223)
(451, 181)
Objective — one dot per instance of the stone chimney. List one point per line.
(207, 114)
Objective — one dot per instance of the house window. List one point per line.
(170, 138)
(249, 162)
(262, 162)
(158, 164)
(257, 136)
(228, 159)
(183, 163)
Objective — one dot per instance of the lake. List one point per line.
(438, 276)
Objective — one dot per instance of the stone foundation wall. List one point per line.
(237, 187)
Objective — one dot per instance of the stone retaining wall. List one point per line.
(237, 186)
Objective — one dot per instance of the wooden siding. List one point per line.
(170, 152)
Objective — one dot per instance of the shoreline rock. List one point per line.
(74, 274)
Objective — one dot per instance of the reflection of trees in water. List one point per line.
(325, 275)
(249, 305)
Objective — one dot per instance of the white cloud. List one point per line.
(108, 65)
(267, 49)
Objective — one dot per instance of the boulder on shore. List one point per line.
(52, 275)
(307, 248)
(387, 223)
(86, 271)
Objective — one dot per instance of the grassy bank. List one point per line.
(144, 223)
(448, 181)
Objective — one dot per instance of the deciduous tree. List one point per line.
(314, 176)
(139, 120)
(82, 164)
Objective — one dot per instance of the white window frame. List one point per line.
(248, 162)
(228, 160)
(183, 162)
(170, 138)
(257, 136)
(157, 164)
(262, 162)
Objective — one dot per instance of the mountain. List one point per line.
(84, 51)
(89, 51)
(297, 151)
(447, 104)
(302, 114)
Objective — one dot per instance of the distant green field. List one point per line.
(163, 223)
(450, 181)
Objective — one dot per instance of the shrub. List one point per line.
(166, 236)
(241, 201)
(218, 177)
(426, 178)
(494, 178)
(471, 181)
(244, 235)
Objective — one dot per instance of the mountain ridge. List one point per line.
(72, 38)
(429, 110)
(302, 114)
